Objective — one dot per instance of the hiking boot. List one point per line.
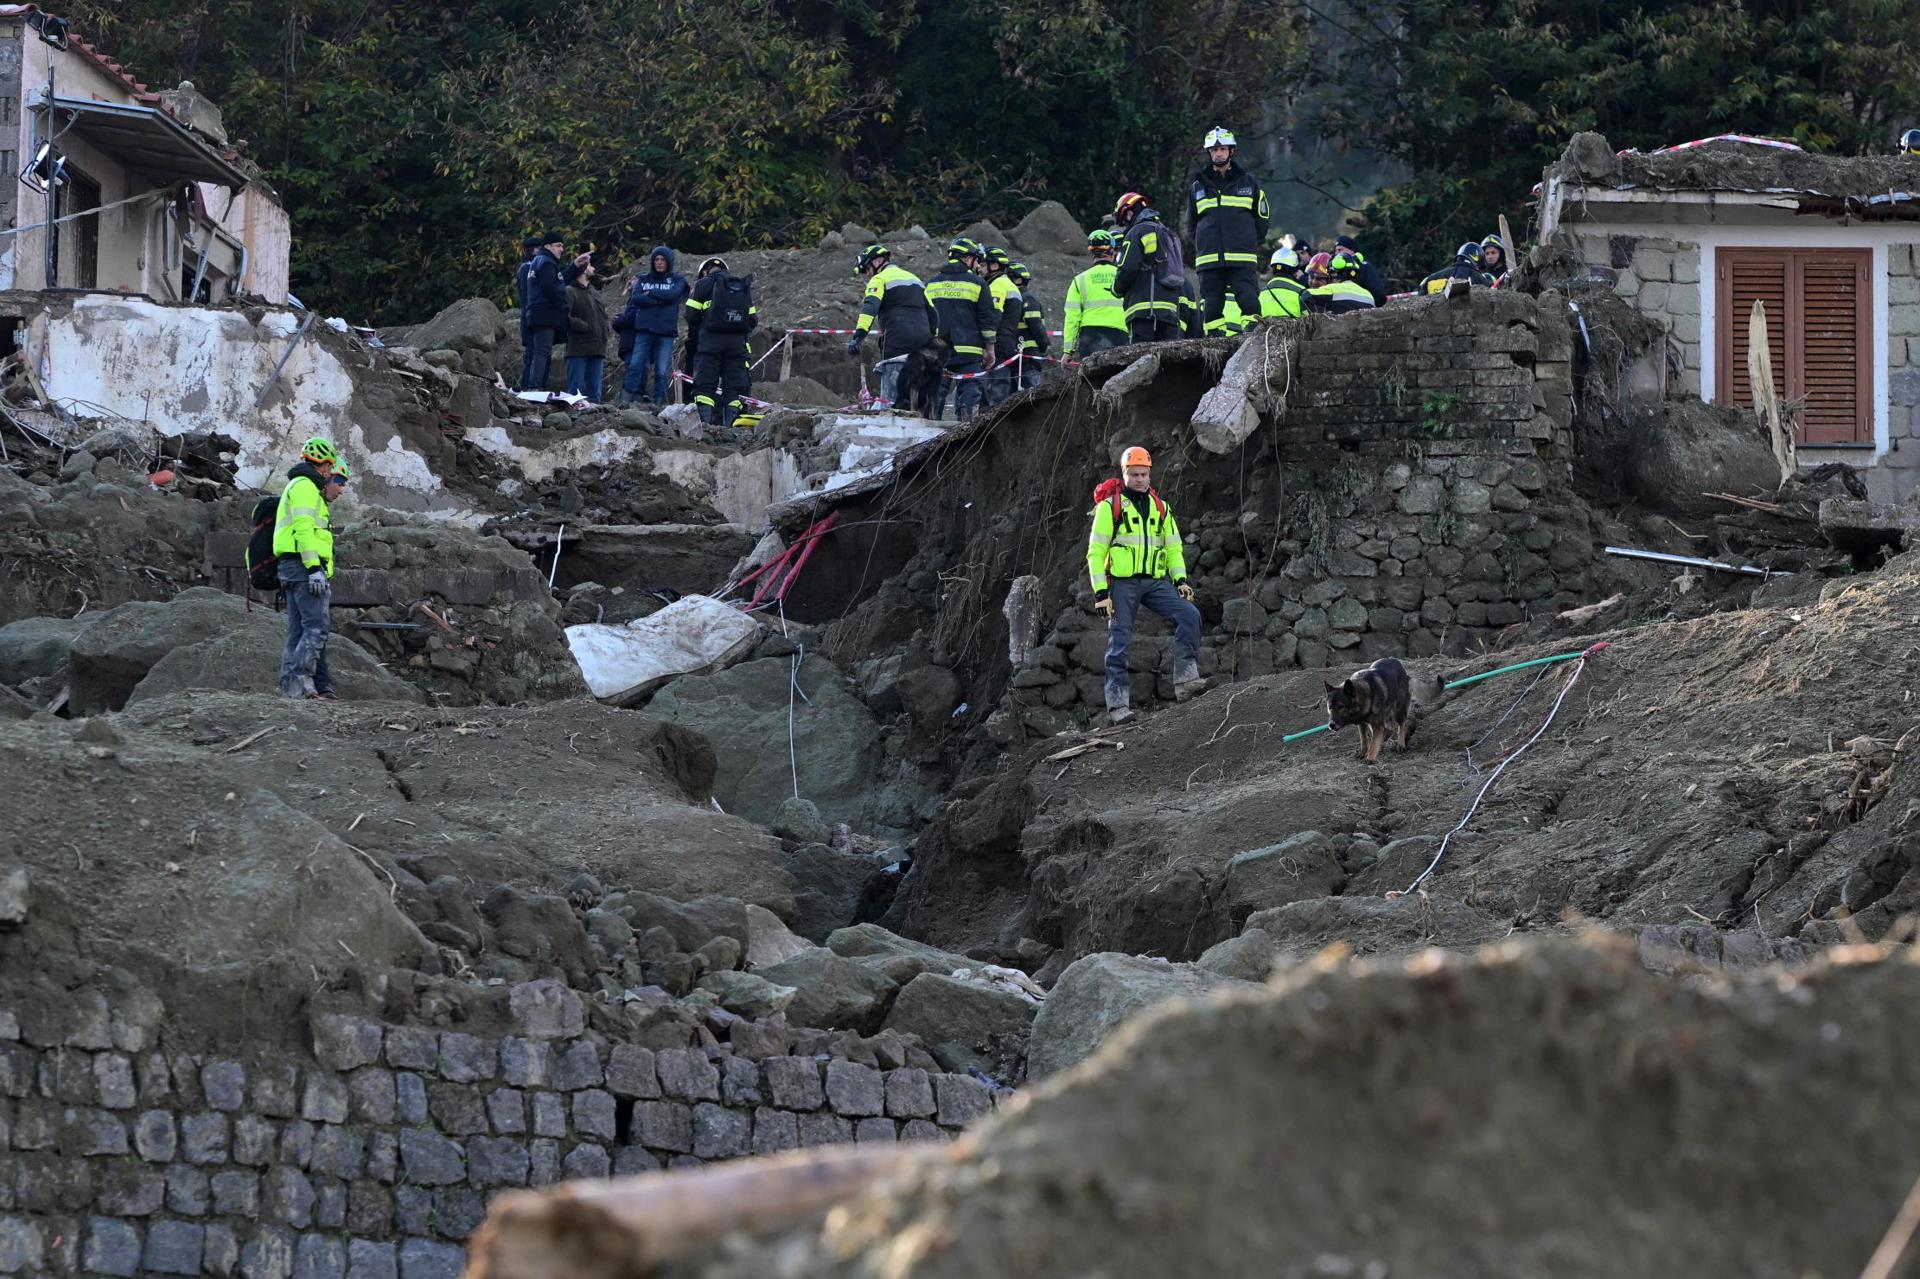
(1187, 690)
(1119, 706)
(1119, 715)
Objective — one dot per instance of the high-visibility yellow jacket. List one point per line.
(1281, 296)
(301, 525)
(1338, 296)
(1092, 304)
(1011, 307)
(1132, 546)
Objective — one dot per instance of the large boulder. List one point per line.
(966, 1024)
(692, 923)
(898, 957)
(248, 657)
(1049, 229)
(1098, 992)
(1684, 449)
(1296, 868)
(37, 646)
(541, 929)
(744, 712)
(827, 885)
(1375, 925)
(833, 993)
(471, 324)
(110, 658)
(770, 941)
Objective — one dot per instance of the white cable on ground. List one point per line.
(793, 686)
(1446, 839)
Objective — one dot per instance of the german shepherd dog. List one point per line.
(1377, 698)
(920, 380)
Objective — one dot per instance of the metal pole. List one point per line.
(1696, 562)
(559, 539)
(305, 324)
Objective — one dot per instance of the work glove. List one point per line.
(853, 344)
(1186, 592)
(1104, 602)
(316, 583)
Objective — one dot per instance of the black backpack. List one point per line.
(263, 566)
(730, 310)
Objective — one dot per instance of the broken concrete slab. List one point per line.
(687, 558)
(1858, 526)
(624, 665)
(1230, 411)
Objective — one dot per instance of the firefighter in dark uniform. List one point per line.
(967, 320)
(1149, 276)
(1228, 213)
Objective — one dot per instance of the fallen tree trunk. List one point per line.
(623, 1228)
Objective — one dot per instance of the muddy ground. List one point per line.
(1543, 1110)
(1736, 769)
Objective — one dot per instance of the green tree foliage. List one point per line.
(415, 144)
(1482, 96)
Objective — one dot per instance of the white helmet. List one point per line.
(1219, 136)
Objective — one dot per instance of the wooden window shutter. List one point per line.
(1834, 341)
(1819, 334)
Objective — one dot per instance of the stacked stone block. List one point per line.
(375, 1156)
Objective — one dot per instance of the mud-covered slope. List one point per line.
(1738, 769)
(1541, 1110)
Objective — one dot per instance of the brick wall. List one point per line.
(374, 1155)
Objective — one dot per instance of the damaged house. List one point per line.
(1693, 236)
(122, 189)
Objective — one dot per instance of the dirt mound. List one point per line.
(532, 796)
(1539, 1110)
(1740, 768)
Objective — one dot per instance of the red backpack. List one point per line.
(1109, 491)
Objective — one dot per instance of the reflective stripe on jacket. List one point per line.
(1229, 216)
(1033, 325)
(300, 523)
(1282, 296)
(1135, 547)
(1338, 296)
(1092, 304)
(1136, 276)
(1008, 309)
(898, 301)
(963, 307)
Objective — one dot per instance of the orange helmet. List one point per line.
(1135, 456)
(1127, 205)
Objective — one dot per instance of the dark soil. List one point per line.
(1542, 1110)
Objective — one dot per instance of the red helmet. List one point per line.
(1127, 206)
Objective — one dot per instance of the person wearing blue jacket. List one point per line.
(546, 312)
(648, 326)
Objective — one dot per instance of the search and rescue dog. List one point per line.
(1377, 698)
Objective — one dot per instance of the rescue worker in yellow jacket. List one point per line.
(1283, 295)
(303, 550)
(1134, 557)
(1095, 317)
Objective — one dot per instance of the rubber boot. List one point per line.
(1187, 683)
(1119, 708)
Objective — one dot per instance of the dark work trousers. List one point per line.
(1216, 283)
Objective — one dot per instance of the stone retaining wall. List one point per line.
(1425, 457)
(375, 1155)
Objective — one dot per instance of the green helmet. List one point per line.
(1100, 238)
(341, 473)
(1342, 265)
(963, 248)
(319, 449)
(869, 255)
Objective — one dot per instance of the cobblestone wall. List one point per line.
(375, 1155)
(1426, 465)
(1660, 277)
